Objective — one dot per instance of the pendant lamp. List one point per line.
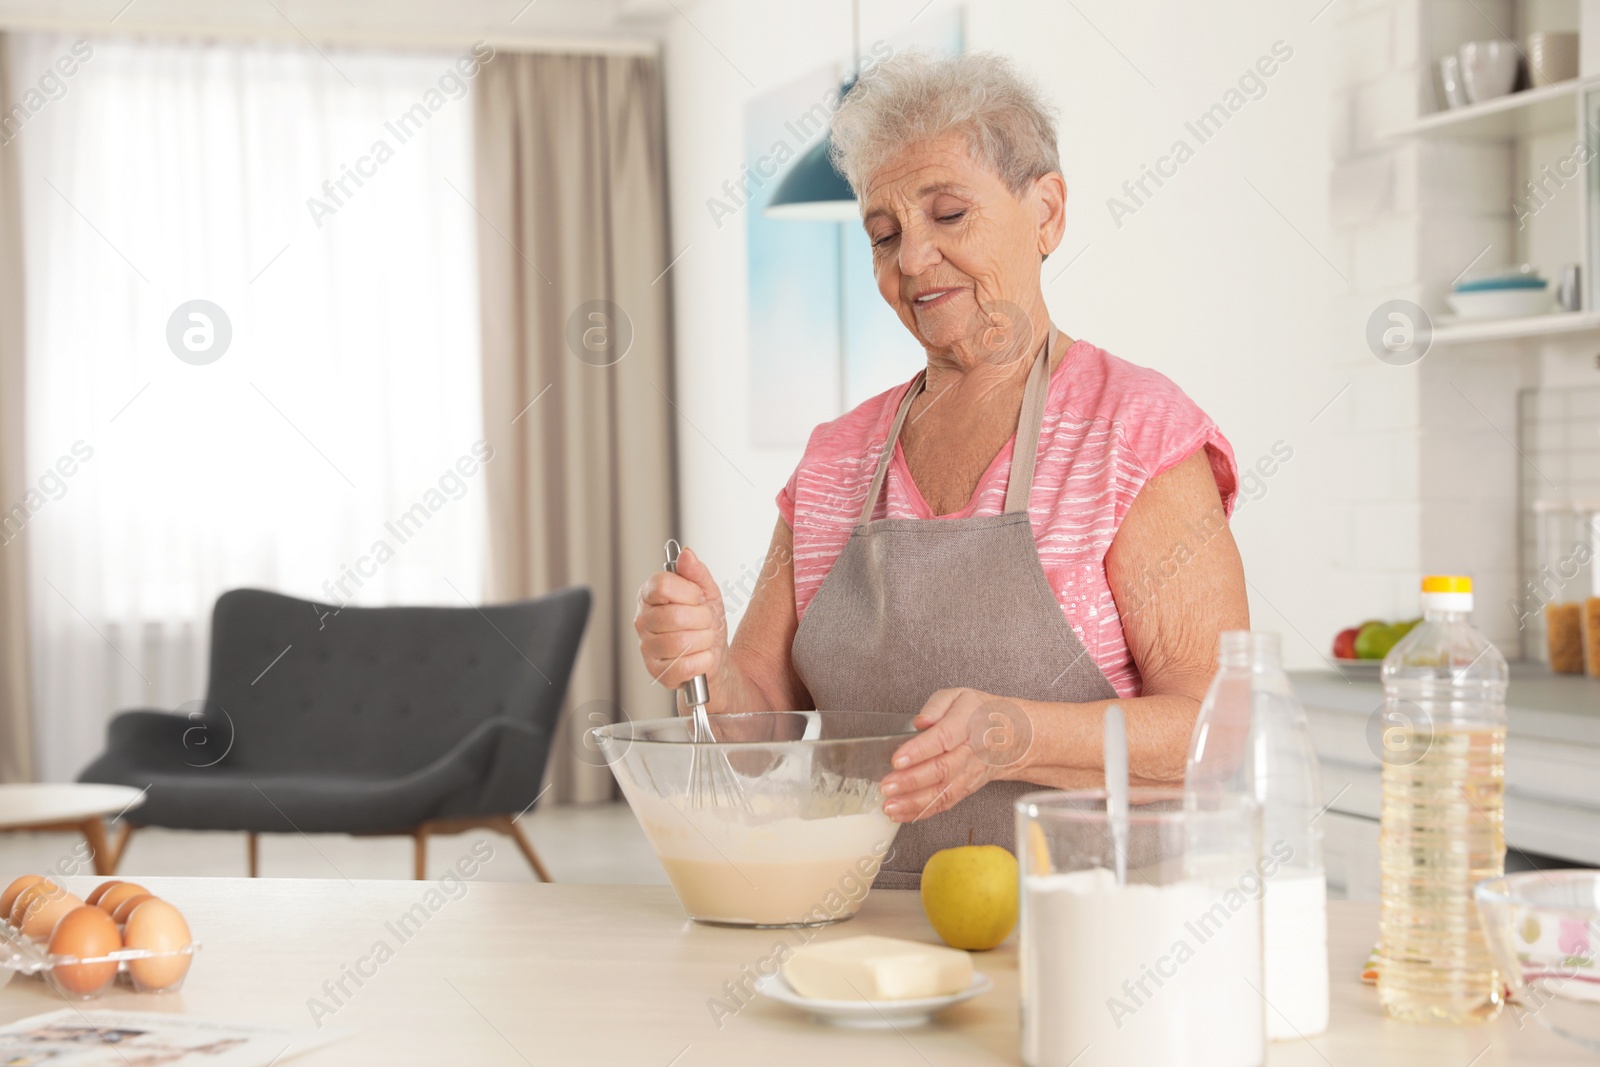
(813, 190)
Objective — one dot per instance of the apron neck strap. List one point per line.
(1024, 453)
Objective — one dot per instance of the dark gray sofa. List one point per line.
(408, 720)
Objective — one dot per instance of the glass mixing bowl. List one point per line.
(1543, 929)
(796, 834)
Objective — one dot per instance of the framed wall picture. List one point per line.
(821, 338)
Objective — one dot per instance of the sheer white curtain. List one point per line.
(348, 396)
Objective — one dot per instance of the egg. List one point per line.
(100, 891)
(9, 897)
(86, 933)
(45, 912)
(157, 926)
(125, 909)
(116, 895)
(27, 896)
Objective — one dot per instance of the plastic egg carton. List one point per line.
(25, 957)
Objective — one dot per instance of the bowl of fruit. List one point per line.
(1365, 646)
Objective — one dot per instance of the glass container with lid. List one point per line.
(1560, 605)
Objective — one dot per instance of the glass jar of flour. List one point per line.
(1163, 970)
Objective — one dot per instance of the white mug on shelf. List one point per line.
(1552, 57)
(1455, 94)
(1569, 293)
(1488, 69)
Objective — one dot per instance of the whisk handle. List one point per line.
(696, 691)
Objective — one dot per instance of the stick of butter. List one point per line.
(877, 968)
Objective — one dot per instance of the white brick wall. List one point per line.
(1379, 107)
(1408, 29)
(1381, 400)
(1384, 542)
(1363, 189)
(1428, 481)
(1366, 43)
(1386, 255)
(1458, 177)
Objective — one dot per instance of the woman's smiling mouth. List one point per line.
(934, 297)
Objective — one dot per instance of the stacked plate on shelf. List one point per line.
(1507, 293)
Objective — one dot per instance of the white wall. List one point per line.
(1224, 279)
(1440, 470)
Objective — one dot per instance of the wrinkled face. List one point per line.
(951, 245)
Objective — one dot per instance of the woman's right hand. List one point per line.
(682, 628)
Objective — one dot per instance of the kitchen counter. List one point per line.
(518, 973)
(1550, 707)
(1552, 768)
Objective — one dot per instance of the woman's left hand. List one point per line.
(969, 738)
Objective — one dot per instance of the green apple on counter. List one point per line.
(970, 895)
(1371, 640)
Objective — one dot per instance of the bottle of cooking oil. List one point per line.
(1442, 743)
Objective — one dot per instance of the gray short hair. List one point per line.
(914, 97)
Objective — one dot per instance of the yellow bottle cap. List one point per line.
(1447, 583)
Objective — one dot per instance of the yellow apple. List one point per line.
(970, 895)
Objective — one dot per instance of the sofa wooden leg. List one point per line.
(253, 852)
(419, 837)
(510, 827)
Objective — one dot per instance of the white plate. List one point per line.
(1359, 666)
(1501, 303)
(871, 1014)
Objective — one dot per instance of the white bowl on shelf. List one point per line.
(1488, 69)
(1501, 303)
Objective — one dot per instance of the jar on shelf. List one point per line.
(1562, 595)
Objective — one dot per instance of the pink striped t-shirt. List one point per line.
(1108, 428)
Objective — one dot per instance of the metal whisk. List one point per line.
(712, 780)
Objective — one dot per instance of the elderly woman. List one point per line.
(1027, 531)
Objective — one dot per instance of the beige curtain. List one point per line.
(16, 737)
(571, 191)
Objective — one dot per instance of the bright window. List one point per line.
(319, 200)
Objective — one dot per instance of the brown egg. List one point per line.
(125, 909)
(157, 926)
(19, 907)
(86, 933)
(9, 897)
(100, 891)
(116, 895)
(45, 912)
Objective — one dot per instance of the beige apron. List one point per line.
(912, 606)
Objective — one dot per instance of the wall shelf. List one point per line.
(1463, 332)
(1549, 107)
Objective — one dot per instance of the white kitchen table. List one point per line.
(524, 973)
(47, 806)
